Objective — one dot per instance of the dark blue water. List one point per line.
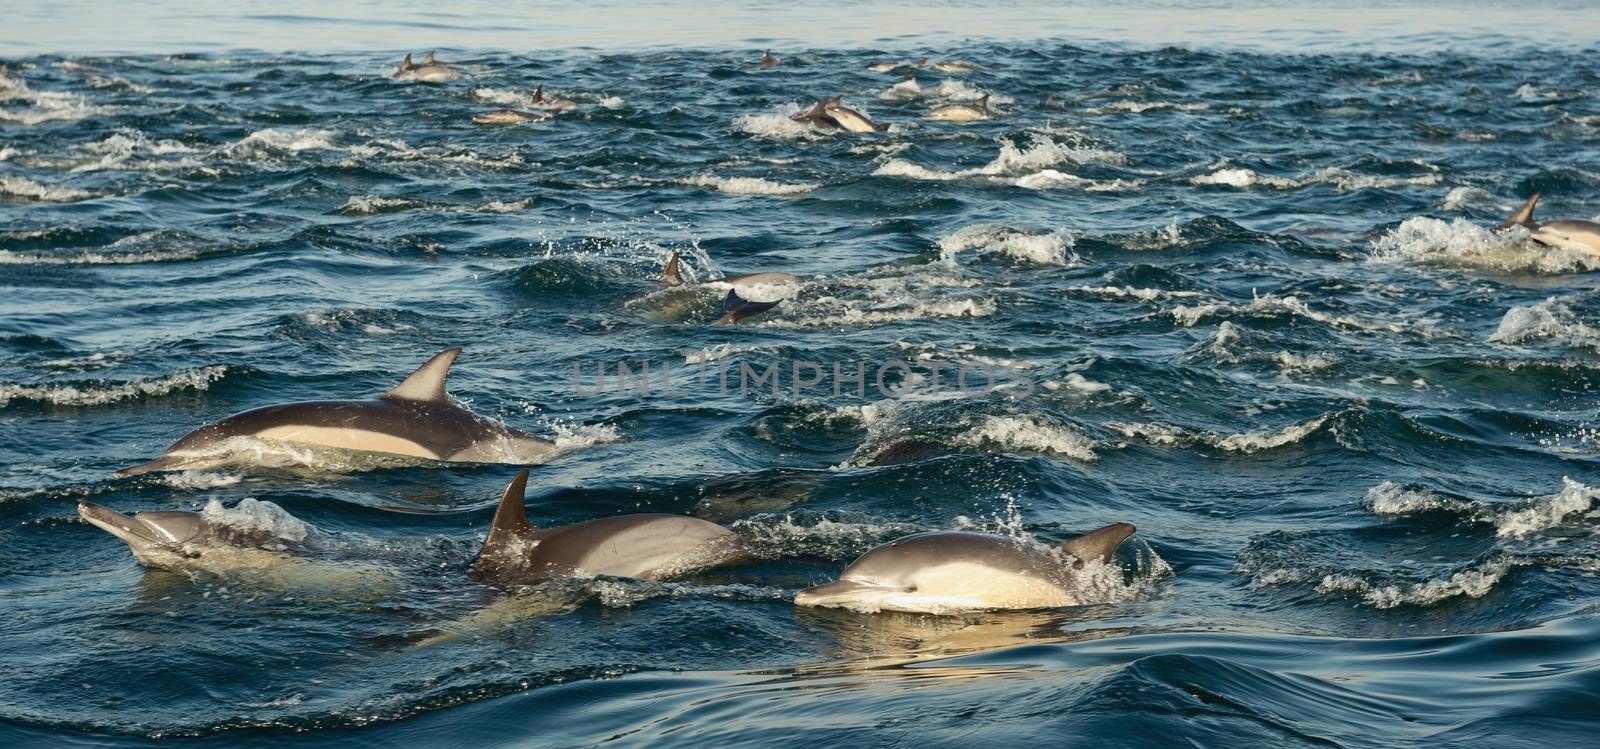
(1251, 292)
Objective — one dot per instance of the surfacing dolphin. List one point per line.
(832, 114)
(948, 572)
(644, 546)
(179, 541)
(976, 110)
(554, 102)
(768, 61)
(416, 419)
(735, 307)
(430, 71)
(1583, 236)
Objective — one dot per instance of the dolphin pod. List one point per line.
(416, 419)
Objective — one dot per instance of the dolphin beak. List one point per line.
(163, 463)
(125, 527)
(843, 593)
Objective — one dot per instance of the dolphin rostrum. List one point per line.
(1583, 236)
(644, 546)
(431, 70)
(944, 572)
(416, 419)
(735, 308)
(977, 110)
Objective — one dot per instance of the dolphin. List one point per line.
(944, 572)
(557, 103)
(954, 67)
(416, 419)
(431, 70)
(735, 308)
(977, 110)
(817, 116)
(181, 541)
(644, 546)
(851, 120)
(768, 61)
(889, 67)
(1583, 236)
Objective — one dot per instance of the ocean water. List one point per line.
(1232, 261)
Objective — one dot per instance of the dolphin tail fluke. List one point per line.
(1523, 216)
(670, 276)
(1097, 545)
(163, 463)
(427, 383)
(737, 308)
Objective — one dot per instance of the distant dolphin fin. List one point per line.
(538, 94)
(427, 383)
(670, 275)
(407, 64)
(163, 463)
(429, 59)
(737, 308)
(983, 103)
(1097, 545)
(1523, 216)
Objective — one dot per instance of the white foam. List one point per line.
(101, 394)
(778, 126)
(1029, 434)
(367, 205)
(1474, 582)
(1548, 512)
(748, 185)
(503, 96)
(1138, 107)
(1240, 177)
(1013, 161)
(906, 90)
(572, 436)
(22, 187)
(1552, 318)
(257, 516)
(1391, 499)
(1052, 248)
(270, 142)
(1243, 442)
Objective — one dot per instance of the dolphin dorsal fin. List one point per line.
(407, 64)
(670, 275)
(427, 383)
(982, 103)
(538, 94)
(429, 59)
(1523, 216)
(510, 518)
(1097, 545)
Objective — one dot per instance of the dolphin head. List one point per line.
(164, 540)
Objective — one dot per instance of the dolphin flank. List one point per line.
(946, 572)
(1583, 236)
(416, 419)
(644, 546)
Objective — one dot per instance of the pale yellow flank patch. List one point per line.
(347, 439)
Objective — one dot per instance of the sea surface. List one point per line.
(1235, 263)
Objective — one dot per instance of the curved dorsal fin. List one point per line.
(427, 383)
(407, 64)
(510, 518)
(429, 59)
(1523, 216)
(670, 275)
(1097, 545)
(538, 94)
(982, 103)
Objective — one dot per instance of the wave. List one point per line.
(99, 393)
(1517, 522)
(1031, 434)
(748, 185)
(1052, 248)
(1551, 319)
(1014, 164)
(1250, 442)
(27, 189)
